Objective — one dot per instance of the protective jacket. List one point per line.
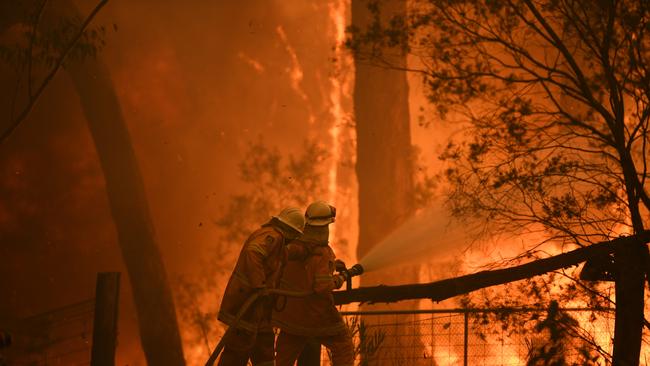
(314, 315)
(259, 266)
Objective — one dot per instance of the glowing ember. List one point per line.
(295, 70)
(255, 64)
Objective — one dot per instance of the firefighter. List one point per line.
(258, 268)
(313, 318)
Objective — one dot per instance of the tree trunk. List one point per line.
(384, 161)
(128, 203)
(445, 289)
(630, 263)
(630, 286)
(158, 326)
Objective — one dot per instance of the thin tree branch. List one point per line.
(32, 39)
(582, 81)
(32, 100)
(441, 290)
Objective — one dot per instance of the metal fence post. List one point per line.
(465, 337)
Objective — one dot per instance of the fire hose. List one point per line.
(247, 304)
(348, 273)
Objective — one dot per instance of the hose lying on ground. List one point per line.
(247, 304)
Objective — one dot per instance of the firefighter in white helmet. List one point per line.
(313, 318)
(258, 267)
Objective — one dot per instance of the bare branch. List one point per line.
(32, 39)
(441, 290)
(582, 82)
(32, 100)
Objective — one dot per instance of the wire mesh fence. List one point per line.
(487, 337)
(59, 337)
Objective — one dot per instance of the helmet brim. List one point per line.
(296, 229)
(320, 222)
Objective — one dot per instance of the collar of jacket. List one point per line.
(273, 224)
(317, 235)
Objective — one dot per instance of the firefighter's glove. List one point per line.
(339, 265)
(338, 281)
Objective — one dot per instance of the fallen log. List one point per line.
(445, 289)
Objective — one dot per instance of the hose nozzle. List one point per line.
(348, 273)
(355, 270)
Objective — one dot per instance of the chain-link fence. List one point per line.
(504, 336)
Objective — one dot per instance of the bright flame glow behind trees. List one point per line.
(340, 180)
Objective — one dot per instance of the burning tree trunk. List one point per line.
(445, 289)
(384, 162)
(154, 303)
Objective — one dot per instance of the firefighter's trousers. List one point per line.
(289, 346)
(240, 346)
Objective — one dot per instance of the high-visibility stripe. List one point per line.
(258, 249)
(242, 278)
(323, 278)
(242, 324)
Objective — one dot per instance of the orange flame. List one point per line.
(340, 95)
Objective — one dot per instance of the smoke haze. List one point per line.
(198, 82)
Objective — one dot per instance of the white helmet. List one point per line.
(320, 213)
(293, 218)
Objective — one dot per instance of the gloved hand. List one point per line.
(339, 265)
(338, 281)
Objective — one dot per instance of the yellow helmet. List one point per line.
(293, 218)
(320, 213)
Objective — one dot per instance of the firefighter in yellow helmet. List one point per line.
(313, 318)
(258, 267)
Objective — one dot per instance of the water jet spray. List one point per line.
(430, 234)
